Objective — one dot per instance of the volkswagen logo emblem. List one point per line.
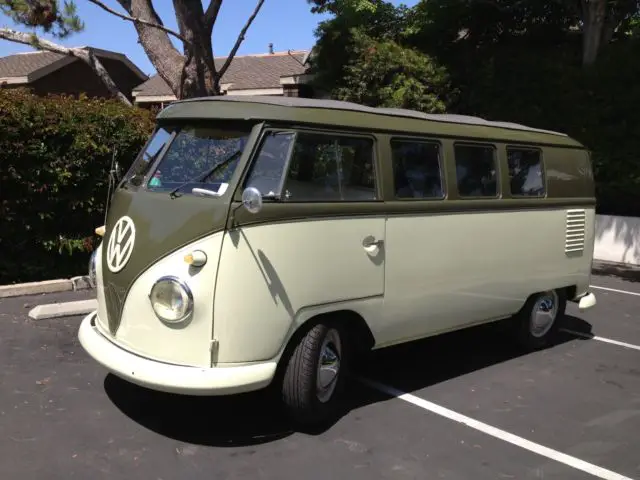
(120, 244)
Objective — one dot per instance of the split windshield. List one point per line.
(190, 156)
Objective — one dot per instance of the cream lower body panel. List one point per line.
(141, 331)
(172, 378)
(273, 277)
(450, 271)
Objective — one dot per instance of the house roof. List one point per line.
(246, 72)
(26, 67)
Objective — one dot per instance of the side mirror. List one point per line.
(252, 199)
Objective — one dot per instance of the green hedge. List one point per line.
(55, 155)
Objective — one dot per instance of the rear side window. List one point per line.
(526, 172)
(476, 170)
(416, 169)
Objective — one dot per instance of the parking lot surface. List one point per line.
(475, 408)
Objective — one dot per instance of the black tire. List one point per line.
(299, 384)
(530, 337)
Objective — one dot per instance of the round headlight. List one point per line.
(171, 299)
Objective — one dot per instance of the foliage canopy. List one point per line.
(55, 158)
(530, 61)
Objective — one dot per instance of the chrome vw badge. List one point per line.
(120, 244)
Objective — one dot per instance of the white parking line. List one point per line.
(636, 294)
(576, 463)
(602, 339)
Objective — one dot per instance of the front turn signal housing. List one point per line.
(197, 258)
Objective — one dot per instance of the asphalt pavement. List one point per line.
(466, 405)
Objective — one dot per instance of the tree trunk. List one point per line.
(156, 43)
(593, 19)
(199, 76)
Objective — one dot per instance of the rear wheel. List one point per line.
(538, 322)
(315, 374)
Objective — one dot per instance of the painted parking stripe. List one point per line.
(574, 462)
(602, 339)
(636, 294)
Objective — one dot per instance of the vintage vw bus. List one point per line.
(261, 241)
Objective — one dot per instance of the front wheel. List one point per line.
(315, 374)
(538, 322)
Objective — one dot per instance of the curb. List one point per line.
(47, 286)
(65, 309)
(620, 270)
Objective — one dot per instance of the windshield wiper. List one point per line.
(206, 174)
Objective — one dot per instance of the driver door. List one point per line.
(318, 238)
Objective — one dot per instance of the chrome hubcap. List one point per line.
(328, 366)
(544, 313)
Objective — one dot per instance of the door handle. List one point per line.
(370, 244)
(204, 192)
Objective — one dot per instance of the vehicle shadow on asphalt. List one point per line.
(629, 273)
(257, 418)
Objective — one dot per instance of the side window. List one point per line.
(476, 170)
(526, 173)
(268, 167)
(328, 168)
(416, 169)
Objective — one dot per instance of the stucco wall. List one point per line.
(617, 239)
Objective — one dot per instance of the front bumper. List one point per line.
(171, 378)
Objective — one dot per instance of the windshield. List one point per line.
(186, 154)
(141, 167)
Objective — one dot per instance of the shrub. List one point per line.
(55, 156)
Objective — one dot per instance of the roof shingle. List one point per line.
(244, 72)
(36, 63)
(25, 64)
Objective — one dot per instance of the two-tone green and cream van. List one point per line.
(267, 241)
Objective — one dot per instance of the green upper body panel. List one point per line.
(350, 115)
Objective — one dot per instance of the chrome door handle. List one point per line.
(372, 242)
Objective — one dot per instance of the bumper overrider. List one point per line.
(171, 378)
(586, 301)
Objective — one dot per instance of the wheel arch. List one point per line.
(359, 334)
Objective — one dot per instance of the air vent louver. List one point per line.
(575, 231)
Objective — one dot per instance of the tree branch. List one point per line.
(85, 55)
(240, 39)
(138, 20)
(211, 14)
(156, 43)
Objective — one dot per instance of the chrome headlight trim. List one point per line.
(184, 291)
